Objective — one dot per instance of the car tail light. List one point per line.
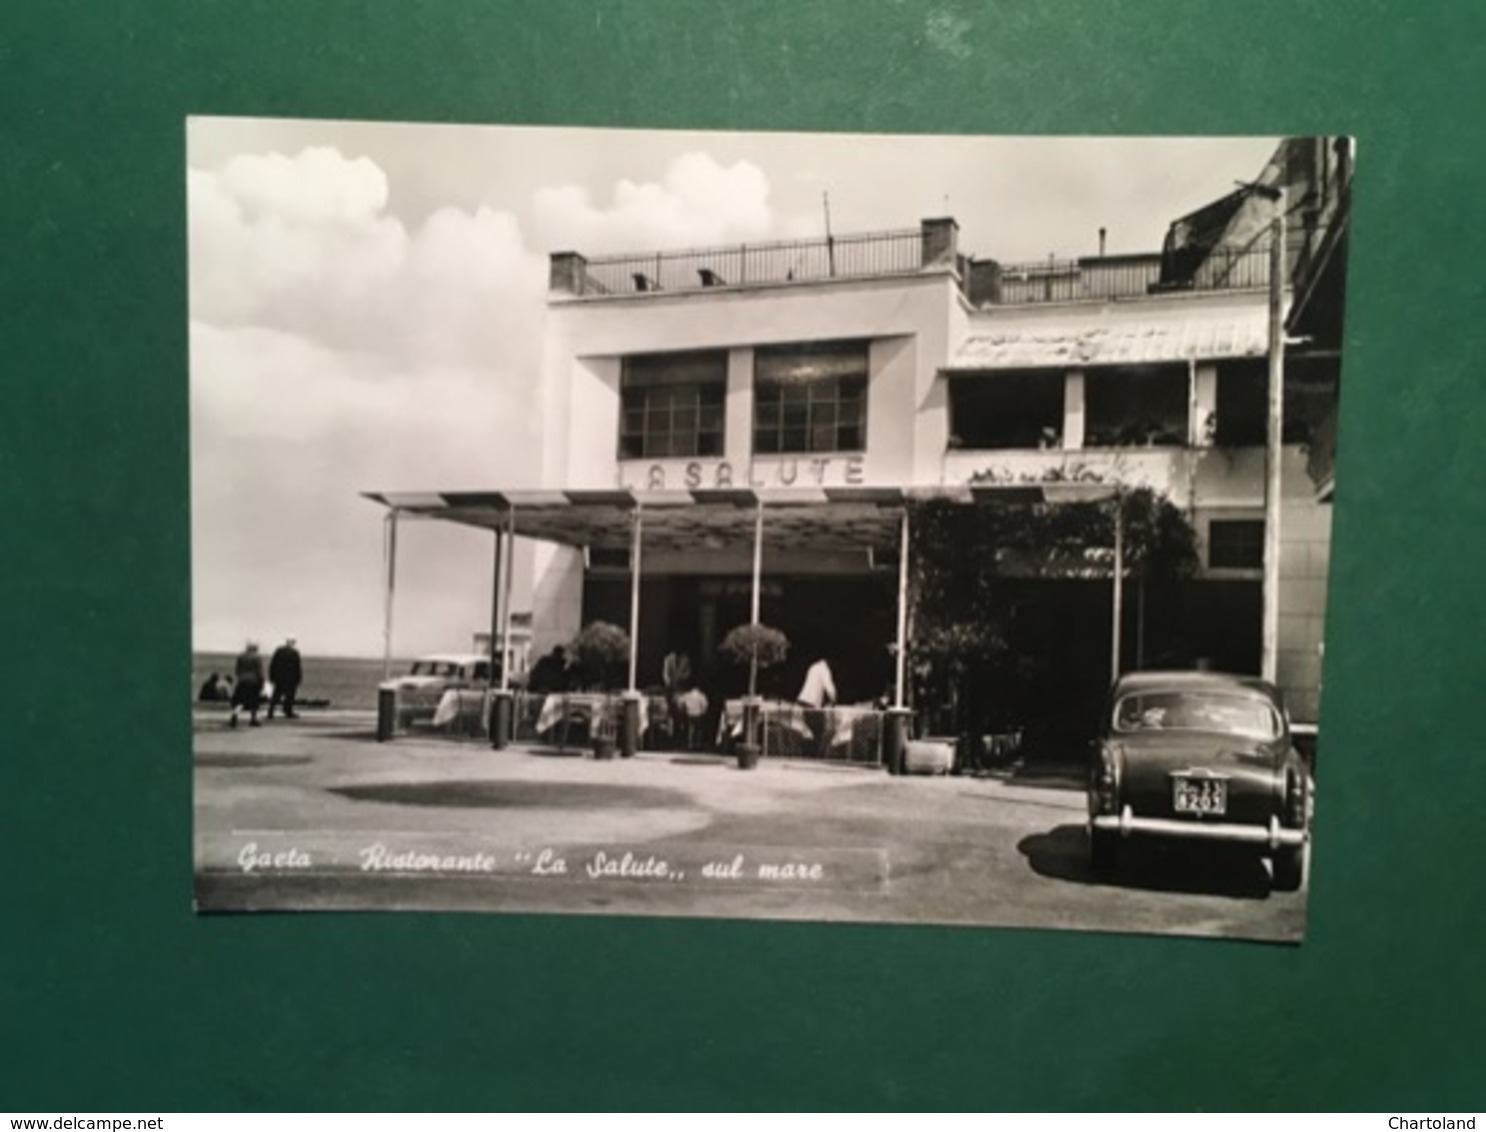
(1295, 800)
(1107, 781)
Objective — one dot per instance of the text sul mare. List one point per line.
(737, 869)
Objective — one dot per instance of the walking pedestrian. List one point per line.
(284, 673)
(247, 694)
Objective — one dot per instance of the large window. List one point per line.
(1007, 410)
(810, 398)
(1136, 406)
(673, 405)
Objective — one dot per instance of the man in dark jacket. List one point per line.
(284, 673)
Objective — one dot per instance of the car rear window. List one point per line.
(1197, 711)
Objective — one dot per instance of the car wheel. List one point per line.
(1288, 866)
(1104, 852)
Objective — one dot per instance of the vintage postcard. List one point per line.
(815, 527)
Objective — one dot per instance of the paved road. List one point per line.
(317, 815)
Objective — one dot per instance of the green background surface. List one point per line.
(114, 996)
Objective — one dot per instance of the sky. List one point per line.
(367, 302)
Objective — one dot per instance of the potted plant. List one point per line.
(601, 649)
(758, 646)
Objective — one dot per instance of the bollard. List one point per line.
(751, 706)
(501, 714)
(386, 713)
(629, 727)
(895, 738)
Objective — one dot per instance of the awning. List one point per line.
(1101, 339)
(827, 518)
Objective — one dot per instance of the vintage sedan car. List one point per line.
(1199, 756)
(423, 686)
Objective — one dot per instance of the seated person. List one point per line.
(550, 673)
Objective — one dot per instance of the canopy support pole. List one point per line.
(1119, 578)
(636, 535)
(495, 605)
(505, 634)
(389, 544)
(758, 569)
(900, 667)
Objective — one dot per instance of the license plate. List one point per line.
(1199, 795)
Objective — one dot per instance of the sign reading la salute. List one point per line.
(783, 471)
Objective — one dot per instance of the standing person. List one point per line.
(550, 673)
(675, 675)
(248, 692)
(818, 693)
(284, 673)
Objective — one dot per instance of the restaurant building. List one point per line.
(747, 425)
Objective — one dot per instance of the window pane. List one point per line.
(1235, 544)
(662, 370)
(820, 389)
(662, 395)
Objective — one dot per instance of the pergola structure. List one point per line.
(825, 518)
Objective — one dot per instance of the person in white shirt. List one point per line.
(818, 693)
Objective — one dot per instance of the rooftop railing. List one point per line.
(931, 246)
(1115, 277)
(780, 261)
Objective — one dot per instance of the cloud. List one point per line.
(696, 201)
(334, 351)
(286, 434)
(305, 244)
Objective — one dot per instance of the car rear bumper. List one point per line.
(1272, 836)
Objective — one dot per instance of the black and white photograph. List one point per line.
(828, 527)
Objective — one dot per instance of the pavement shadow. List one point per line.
(238, 761)
(1062, 853)
(555, 752)
(516, 795)
(1046, 776)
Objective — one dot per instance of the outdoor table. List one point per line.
(462, 704)
(790, 718)
(585, 707)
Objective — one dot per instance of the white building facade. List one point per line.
(818, 372)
